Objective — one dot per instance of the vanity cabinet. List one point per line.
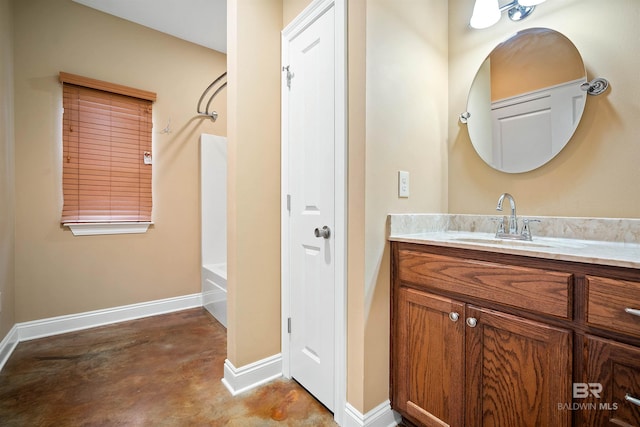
(509, 366)
(480, 339)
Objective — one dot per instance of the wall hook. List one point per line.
(167, 128)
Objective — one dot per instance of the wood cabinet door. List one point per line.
(611, 396)
(428, 351)
(518, 371)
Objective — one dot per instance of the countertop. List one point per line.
(469, 232)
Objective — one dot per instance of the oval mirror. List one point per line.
(526, 101)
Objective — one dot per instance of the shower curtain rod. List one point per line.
(212, 114)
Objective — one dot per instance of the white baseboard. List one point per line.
(8, 344)
(26, 331)
(380, 416)
(91, 319)
(245, 378)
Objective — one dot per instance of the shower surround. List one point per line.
(213, 188)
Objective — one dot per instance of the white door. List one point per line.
(311, 141)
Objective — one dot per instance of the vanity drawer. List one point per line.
(536, 290)
(607, 300)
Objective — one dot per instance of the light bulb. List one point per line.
(485, 14)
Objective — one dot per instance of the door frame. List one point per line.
(310, 14)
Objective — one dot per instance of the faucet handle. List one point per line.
(501, 221)
(526, 231)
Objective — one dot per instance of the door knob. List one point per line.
(323, 232)
(472, 322)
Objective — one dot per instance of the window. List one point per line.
(106, 153)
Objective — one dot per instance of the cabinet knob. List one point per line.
(472, 322)
(453, 316)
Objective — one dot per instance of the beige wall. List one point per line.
(7, 199)
(356, 141)
(57, 273)
(253, 197)
(291, 9)
(406, 105)
(596, 175)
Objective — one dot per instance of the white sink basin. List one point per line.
(502, 242)
(540, 242)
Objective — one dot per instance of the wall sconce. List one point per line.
(488, 12)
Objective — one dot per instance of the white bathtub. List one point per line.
(214, 290)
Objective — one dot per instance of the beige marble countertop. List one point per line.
(603, 241)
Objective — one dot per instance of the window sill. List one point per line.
(96, 228)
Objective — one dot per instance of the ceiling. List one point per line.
(202, 22)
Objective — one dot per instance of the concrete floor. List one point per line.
(159, 371)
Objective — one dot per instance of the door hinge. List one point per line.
(289, 325)
(290, 75)
(289, 202)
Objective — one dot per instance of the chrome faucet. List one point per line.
(513, 233)
(513, 219)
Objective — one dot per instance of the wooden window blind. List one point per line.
(106, 133)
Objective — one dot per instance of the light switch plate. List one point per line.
(403, 184)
